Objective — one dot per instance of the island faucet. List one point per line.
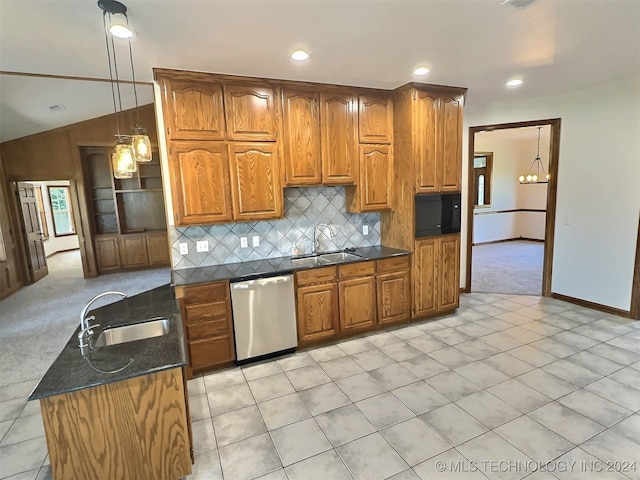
(316, 242)
(86, 329)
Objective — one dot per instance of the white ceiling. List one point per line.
(555, 46)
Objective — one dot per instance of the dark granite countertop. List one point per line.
(70, 371)
(267, 267)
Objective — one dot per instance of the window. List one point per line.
(482, 166)
(61, 211)
(44, 228)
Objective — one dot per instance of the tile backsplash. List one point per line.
(303, 209)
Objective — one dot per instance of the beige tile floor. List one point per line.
(509, 387)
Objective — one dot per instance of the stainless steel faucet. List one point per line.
(86, 329)
(316, 242)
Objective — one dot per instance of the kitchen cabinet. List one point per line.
(357, 288)
(250, 112)
(257, 187)
(437, 120)
(193, 109)
(200, 186)
(206, 315)
(301, 131)
(157, 248)
(375, 119)
(133, 251)
(317, 305)
(339, 126)
(374, 191)
(436, 275)
(107, 252)
(393, 287)
(133, 428)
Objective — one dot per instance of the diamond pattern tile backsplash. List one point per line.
(303, 209)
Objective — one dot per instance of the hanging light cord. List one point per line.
(113, 92)
(115, 69)
(133, 70)
(538, 160)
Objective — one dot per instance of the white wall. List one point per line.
(55, 244)
(513, 153)
(598, 202)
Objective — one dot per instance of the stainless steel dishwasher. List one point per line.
(264, 317)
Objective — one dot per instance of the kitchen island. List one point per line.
(121, 410)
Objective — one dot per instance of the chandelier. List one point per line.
(129, 148)
(536, 173)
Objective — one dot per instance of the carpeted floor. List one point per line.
(508, 267)
(38, 320)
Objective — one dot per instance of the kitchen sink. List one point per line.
(324, 259)
(153, 327)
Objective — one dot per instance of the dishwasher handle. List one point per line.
(261, 282)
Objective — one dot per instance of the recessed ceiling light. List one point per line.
(421, 71)
(299, 55)
(514, 82)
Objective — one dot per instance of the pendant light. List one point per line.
(536, 173)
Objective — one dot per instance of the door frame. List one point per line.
(552, 192)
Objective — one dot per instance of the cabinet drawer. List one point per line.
(206, 311)
(205, 353)
(214, 328)
(392, 264)
(208, 293)
(357, 270)
(317, 275)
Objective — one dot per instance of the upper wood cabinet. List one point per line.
(438, 141)
(193, 109)
(200, 186)
(250, 111)
(301, 128)
(375, 119)
(255, 174)
(375, 180)
(339, 138)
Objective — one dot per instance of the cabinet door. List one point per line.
(158, 248)
(450, 152)
(318, 312)
(107, 253)
(394, 304)
(357, 304)
(133, 251)
(427, 132)
(375, 119)
(193, 110)
(339, 138)
(425, 278)
(376, 178)
(255, 174)
(250, 112)
(449, 273)
(200, 183)
(301, 137)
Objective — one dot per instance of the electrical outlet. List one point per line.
(256, 241)
(202, 246)
(184, 248)
(365, 229)
(243, 242)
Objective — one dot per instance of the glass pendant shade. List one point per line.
(123, 159)
(119, 26)
(141, 144)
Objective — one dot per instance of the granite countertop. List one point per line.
(268, 267)
(70, 371)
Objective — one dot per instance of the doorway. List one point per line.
(479, 193)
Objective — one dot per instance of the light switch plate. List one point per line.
(256, 241)
(184, 248)
(365, 229)
(243, 242)
(202, 246)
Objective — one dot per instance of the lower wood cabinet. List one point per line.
(436, 286)
(135, 250)
(206, 316)
(357, 297)
(394, 304)
(317, 312)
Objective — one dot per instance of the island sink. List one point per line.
(154, 327)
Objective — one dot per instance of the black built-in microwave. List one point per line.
(437, 214)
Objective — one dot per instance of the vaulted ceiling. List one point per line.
(555, 46)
